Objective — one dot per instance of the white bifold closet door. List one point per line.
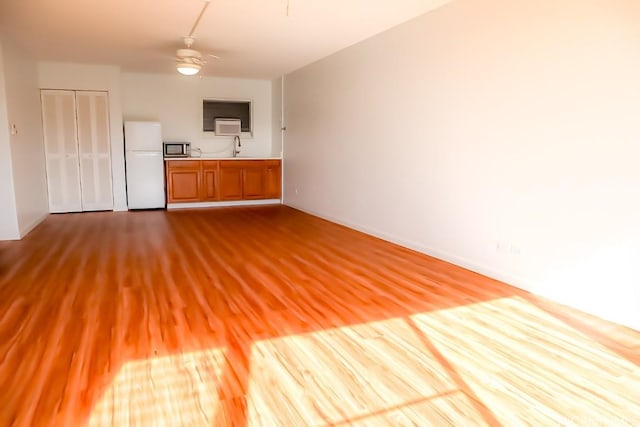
(61, 150)
(77, 148)
(95, 150)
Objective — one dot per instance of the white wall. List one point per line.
(27, 147)
(176, 102)
(501, 135)
(58, 75)
(9, 229)
(276, 117)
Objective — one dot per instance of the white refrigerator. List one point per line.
(144, 165)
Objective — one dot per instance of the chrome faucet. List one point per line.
(236, 150)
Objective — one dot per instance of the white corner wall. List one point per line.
(500, 135)
(27, 146)
(176, 102)
(9, 229)
(59, 75)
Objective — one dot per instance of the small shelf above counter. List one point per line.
(204, 182)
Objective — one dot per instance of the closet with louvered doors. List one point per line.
(77, 150)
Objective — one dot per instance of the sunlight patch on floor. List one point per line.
(378, 373)
(500, 361)
(176, 390)
(528, 367)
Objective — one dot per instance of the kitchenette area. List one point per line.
(134, 141)
(177, 175)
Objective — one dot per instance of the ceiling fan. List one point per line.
(189, 61)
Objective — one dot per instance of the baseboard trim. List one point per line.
(223, 204)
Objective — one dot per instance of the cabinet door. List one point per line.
(92, 110)
(230, 181)
(253, 180)
(210, 180)
(183, 182)
(61, 150)
(273, 181)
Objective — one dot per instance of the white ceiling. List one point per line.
(254, 38)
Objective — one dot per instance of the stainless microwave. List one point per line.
(177, 149)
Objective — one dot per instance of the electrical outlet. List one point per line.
(507, 248)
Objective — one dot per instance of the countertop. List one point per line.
(221, 158)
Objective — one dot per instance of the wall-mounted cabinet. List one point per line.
(190, 181)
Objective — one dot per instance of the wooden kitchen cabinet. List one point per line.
(253, 181)
(249, 179)
(191, 181)
(230, 180)
(184, 181)
(210, 180)
(273, 179)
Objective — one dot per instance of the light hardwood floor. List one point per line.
(271, 317)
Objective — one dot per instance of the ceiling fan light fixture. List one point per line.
(188, 68)
(189, 61)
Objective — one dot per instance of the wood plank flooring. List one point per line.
(267, 316)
